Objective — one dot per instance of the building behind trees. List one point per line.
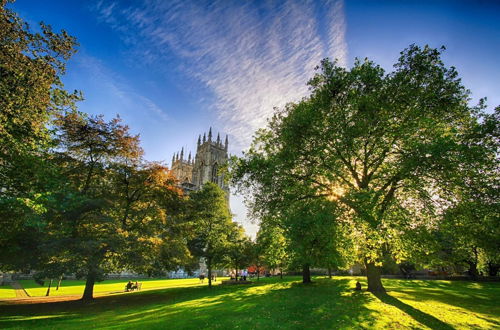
(211, 156)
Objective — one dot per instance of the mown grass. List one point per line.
(6, 291)
(276, 304)
(71, 287)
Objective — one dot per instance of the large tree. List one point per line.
(31, 93)
(211, 224)
(151, 209)
(307, 222)
(385, 148)
(470, 230)
(116, 212)
(274, 246)
(313, 232)
(239, 250)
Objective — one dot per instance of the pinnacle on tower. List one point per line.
(226, 143)
(199, 140)
(173, 159)
(182, 154)
(177, 156)
(210, 135)
(218, 139)
(204, 138)
(189, 157)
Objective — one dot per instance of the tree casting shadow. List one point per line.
(284, 305)
(419, 316)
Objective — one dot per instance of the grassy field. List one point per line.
(275, 304)
(69, 287)
(6, 291)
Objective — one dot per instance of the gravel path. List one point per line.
(20, 292)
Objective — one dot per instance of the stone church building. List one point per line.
(211, 155)
(192, 172)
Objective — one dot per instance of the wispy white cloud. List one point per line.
(252, 56)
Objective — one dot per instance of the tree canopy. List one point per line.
(31, 93)
(212, 225)
(386, 149)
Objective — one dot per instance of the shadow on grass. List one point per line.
(419, 316)
(268, 304)
(495, 322)
(282, 304)
(474, 297)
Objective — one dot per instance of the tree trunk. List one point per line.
(88, 293)
(373, 277)
(48, 289)
(329, 272)
(281, 273)
(125, 215)
(473, 272)
(258, 273)
(306, 274)
(209, 267)
(236, 274)
(89, 177)
(473, 265)
(493, 268)
(59, 283)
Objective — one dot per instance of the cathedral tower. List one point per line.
(182, 168)
(211, 156)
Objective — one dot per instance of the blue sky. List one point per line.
(173, 68)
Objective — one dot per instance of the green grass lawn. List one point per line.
(6, 291)
(275, 304)
(69, 287)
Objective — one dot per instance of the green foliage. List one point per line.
(211, 225)
(123, 212)
(101, 209)
(31, 92)
(240, 250)
(211, 218)
(316, 236)
(388, 150)
(467, 237)
(273, 246)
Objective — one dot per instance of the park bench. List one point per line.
(134, 288)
